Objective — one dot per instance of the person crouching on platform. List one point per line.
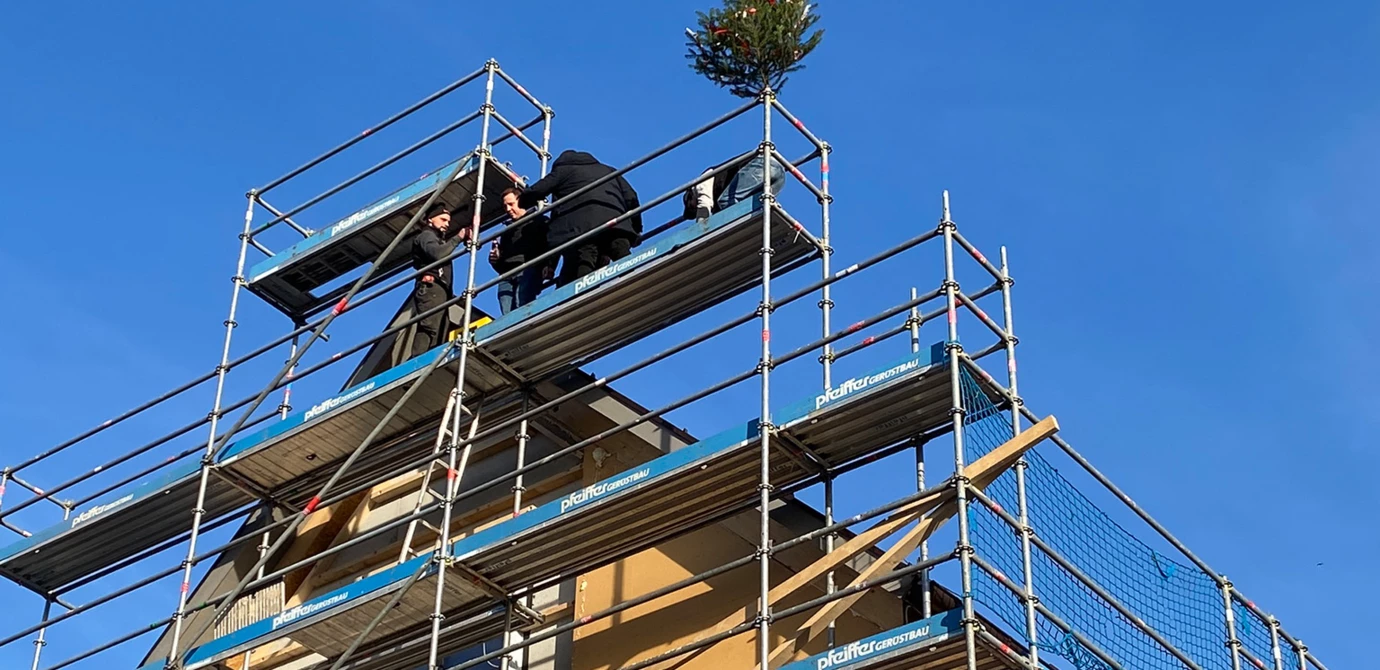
(741, 180)
(433, 287)
(572, 171)
(515, 247)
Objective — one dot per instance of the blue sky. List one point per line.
(1182, 189)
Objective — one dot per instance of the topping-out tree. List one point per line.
(748, 46)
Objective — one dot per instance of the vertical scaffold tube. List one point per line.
(467, 341)
(829, 585)
(1274, 644)
(1021, 501)
(522, 437)
(285, 407)
(826, 306)
(198, 512)
(546, 116)
(913, 322)
(764, 424)
(1229, 616)
(41, 641)
(956, 411)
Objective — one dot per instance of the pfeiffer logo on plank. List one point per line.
(859, 383)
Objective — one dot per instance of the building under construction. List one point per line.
(496, 503)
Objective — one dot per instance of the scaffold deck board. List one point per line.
(702, 481)
(662, 282)
(409, 650)
(680, 274)
(328, 624)
(287, 280)
(633, 510)
(935, 643)
(117, 527)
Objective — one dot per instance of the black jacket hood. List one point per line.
(572, 157)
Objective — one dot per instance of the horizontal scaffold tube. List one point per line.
(105, 467)
(1121, 495)
(373, 129)
(312, 201)
(157, 549)
(1086, 581)
(604, 381)
(711, 573)
(112, 644)
(284, 216)
(893, 576)
(521, 91)
(475, 490)
(1046, 612)
(776, 103)
(318, 324)
(311, 506)
(905, 327)
(398, 327)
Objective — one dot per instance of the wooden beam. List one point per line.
(981, 474)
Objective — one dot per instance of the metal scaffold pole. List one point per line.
(826, 358)
(764, 424)
(522, 438)
(41, 641)
(1229, 616)
(1274, 644)
(286, 407)
(207, 459)
(443, 557)
(913, 324)
(1023, 507)
(954, 349)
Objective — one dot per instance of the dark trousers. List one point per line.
(430, 331)
(583, 259)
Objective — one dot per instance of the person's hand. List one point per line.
(547, 272)
(427, 279)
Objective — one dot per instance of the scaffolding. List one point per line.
(273, 467)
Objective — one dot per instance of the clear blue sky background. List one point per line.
(1182, 188)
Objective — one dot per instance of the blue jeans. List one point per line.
(519, 289)
(748, 182)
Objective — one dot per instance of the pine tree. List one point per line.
(750, 45)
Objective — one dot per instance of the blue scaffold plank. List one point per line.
(490, 551)
(910, 639)
(114, 527)
(287, 279)
(566, 315)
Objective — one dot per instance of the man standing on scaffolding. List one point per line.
(434, 286)
(572, 171)
(515, 247)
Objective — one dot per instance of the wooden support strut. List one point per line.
(980, 474)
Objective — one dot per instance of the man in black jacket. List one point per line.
(433, 287)
(515, 247)
(593, 209)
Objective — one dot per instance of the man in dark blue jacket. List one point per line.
(591, 210)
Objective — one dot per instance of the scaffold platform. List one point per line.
(688, 270)
(116, 527)
(286, 280)
(935, 643)
(631, 510)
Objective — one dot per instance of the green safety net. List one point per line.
(1179, 602)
